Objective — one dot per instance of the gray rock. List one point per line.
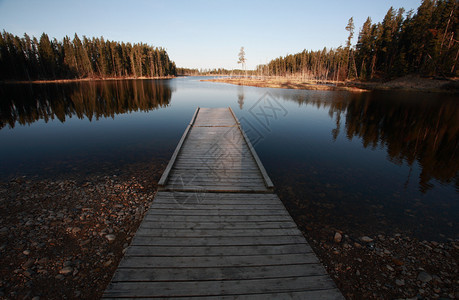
(400, 282)
(43, 261)
(67, 263)
(424, 277)
(28, 263)
(366, 239)
(108, 263)
(110, 237)
(66, 270)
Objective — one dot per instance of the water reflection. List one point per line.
(25, 104)
(240, 96)
(424, 132)
(411, 130)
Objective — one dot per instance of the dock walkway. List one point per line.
(216, 230)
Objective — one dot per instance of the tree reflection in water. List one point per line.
(25, 104)
(411, 130)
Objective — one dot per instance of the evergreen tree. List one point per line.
(69, 58)
(85, 68)
(364, 48)
(47, 58)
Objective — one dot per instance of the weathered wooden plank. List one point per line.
(213, 225)
(220, 206)
(176, 251)
(210, 166)
(224, 212)
(225, 187)
(216, 163)
(219, 176)
(223, 196)
(218, 288)
(329, 294)
(216, 174)
(191, 232)
(205, 199)
(185, 172)
(215, 189)
(219, 180)
(217, 261)
(223, 166)
(206, 218)
(207, 153)
(217, 241)
(217, 273)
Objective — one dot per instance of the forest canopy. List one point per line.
(28, 58)
(425, 43)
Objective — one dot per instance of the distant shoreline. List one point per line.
(80, 79)
(406, 83)
(287, 83)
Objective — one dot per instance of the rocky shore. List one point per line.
(387, 267)
(63, 239)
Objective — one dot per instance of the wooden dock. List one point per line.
(216, 230)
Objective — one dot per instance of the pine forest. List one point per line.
(31, 59)
(425, 43)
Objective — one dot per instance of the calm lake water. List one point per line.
(362, 162)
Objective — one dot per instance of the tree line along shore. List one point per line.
(424, 43)
(407, 50)
(30, 59)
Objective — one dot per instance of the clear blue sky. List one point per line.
(202, 34)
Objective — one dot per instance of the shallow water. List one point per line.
(363, 162)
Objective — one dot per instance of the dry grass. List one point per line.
(411, 82)
(289, 83)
